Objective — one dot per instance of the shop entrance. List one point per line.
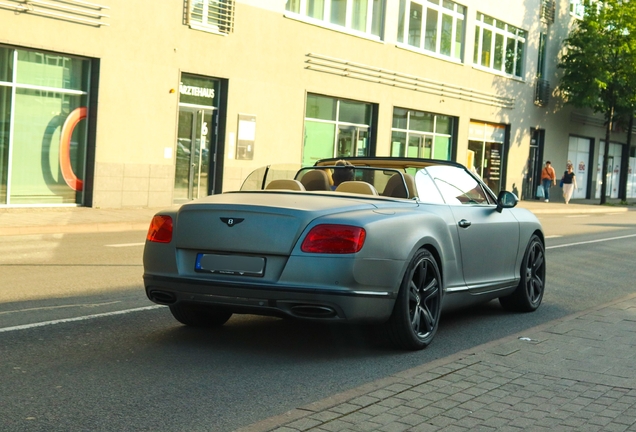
(613, 170)
(532, 174)
(486, 153)
(193, 174)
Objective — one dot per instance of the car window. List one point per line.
(426, 190)
(457, 186)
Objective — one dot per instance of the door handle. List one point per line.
(464, 223)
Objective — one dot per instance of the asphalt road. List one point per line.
(141, 370)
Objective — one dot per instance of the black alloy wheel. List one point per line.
(199, 316)
(417, 309)
(529, 293)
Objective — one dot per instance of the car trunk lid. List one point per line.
(267, 223)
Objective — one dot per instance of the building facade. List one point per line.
(140, 104)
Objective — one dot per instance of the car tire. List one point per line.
(417, 309)
(199, 316)
(529, 293)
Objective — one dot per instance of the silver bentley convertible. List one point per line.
(390, 241)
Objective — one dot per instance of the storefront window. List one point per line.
(5, 118)
(335, 128)
(43, 149)
(486, 152)
(420, 134)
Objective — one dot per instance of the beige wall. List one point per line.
(146, 47)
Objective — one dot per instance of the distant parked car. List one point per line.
(402, 241)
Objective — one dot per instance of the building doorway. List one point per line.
(613, 170)
(579, 156)
(532, 174)
(195, 152)
(486, 152)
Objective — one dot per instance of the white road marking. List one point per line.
(127, 311)
(591, 241)
(125, 244)
(81, 305)
(553, 236)
(81, 318)
(578, 216)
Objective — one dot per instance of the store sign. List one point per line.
(196, 91)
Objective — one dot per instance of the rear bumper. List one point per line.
(300, 302)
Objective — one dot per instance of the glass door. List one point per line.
(419, 146)
(352, 141)
(610, 176)
(193, 153)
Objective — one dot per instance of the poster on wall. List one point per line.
(246, 137)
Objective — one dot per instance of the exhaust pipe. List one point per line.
(313, 311)
(162, 297)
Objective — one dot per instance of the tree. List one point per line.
(599, 65)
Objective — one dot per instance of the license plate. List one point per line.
(237, 265)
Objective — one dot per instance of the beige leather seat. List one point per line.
(316, 180)
(285, 184)
(358, 187)
(395, 187)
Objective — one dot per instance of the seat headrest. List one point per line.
(316, 180)
(286, 184)
(358, 187)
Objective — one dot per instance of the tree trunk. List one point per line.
(608, 131)
(622, 190)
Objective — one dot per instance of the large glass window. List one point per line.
(421, 134)
(364, 16)
(43, 128)
(335, 128)
(499, 46)
(432, 25)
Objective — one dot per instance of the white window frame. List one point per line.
(458, 19)
(577, 8)
(507, 34)
(325, 22)
(206, 21)
(408, 131)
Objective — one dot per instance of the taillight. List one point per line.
(334, 239)
(160, 230)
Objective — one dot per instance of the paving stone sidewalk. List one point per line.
(572, 374)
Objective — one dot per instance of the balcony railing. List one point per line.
(541, 92)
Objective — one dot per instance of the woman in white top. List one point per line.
(569, 184)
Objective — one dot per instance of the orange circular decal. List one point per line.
(71, 121)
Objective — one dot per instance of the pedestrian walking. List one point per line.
(548, 178)
(569, 183)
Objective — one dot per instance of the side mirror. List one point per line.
(506, 199)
